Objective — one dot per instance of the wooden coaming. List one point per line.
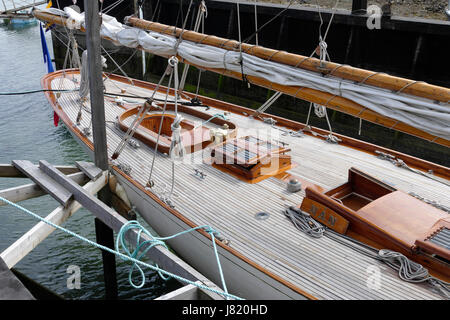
(389, 218)
(194, 138)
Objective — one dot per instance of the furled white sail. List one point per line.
(418, 112)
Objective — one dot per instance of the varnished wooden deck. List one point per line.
(321, 267)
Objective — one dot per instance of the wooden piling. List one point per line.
(104, 234)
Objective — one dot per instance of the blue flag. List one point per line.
(47, 58)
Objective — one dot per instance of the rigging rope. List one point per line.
(201, 14)
(15, 93)
(268, 103)
(141, 115)
(401, 164)
(319, 110)
(241, 57)
(150, 182)
(246, 40)
(256, 23)
(177, 150)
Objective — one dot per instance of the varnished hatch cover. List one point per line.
(251, 159)
(386, 218)
(402, 216)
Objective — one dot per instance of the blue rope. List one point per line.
(130, 257)
(154, 241)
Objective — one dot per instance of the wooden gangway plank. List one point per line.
(9, 171)
(62, 195)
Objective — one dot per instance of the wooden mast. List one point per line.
(334, 102)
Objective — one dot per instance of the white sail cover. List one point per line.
(422, 113)
(17, 5)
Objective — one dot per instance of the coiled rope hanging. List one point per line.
(141, 248)
(177, 151)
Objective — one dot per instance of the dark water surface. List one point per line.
(27, 132)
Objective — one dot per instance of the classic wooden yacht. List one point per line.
(242, 171)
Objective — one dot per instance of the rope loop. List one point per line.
(408, 270)
(320, 110)
(323, 49)
(173, 61)
(204, 8)
(139, 251)
(177, 150)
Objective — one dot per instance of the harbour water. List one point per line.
(27, 132)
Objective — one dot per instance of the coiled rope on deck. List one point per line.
(407, 269)
(132, 258)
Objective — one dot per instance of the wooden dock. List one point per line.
(76, 187)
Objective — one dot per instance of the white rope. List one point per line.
(241, 57)
(177, 151)
(320, 110)
(118, 66)
(407, 269)
(304, 222)
(150, 182)
(268, 103)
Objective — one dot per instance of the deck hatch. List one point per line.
(251, 158)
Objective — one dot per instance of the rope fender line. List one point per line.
(134, 259)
